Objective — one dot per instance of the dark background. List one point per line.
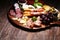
(55, 3)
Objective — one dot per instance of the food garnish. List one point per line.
(34, 18)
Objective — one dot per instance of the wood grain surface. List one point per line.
(10, 32)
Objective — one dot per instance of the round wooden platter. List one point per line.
(18, 25)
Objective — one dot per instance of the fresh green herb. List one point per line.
(34, 18)
(40, 4)
(36, 3)
(35, 0)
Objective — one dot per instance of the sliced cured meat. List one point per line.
(40, 10)
(12, 13)
(19, 15)
(30, 23)
(18, 11)
(38, 22)
(35, 13)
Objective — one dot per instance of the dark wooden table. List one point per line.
(9, 32)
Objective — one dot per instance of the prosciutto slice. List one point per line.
(12, 13)
(18, 11)
(30, 23)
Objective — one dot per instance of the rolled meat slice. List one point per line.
(18, 11)
(30, 23)
(19, 14)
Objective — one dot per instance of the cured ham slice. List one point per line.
(18, 11)
(30, 23)
(12, 13)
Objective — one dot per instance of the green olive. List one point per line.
(34, 18)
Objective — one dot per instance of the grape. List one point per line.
(47, 18)
(42, 16)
